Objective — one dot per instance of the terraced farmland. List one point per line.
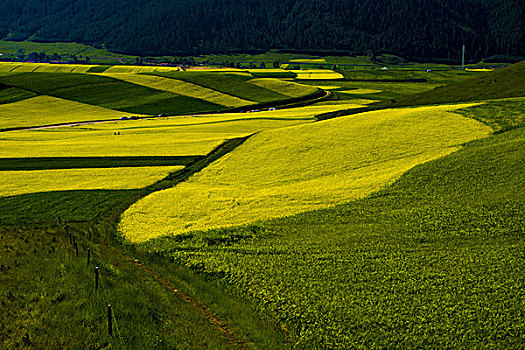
(178, 136)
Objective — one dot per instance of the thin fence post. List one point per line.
(96, 277)
(88, 255)
(110, 324)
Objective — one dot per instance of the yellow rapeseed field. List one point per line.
(308, 60)
(140, 69)
(360, 91)
(286, 171)
(267, 70)
(187, 135)
(182, 88)
(210, 69)
(87, 142)
(284, 87)
(43, 67)
(352, 103)
(314, 74)
(13, 183)
(8, 66)
(47, 110)
(479, 69)
(328, 87)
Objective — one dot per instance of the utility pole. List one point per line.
(463, 58)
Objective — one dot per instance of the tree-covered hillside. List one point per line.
(413, 28)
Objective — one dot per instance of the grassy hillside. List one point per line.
(435, 260)
(501, 83)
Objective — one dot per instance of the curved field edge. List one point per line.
(435, 260)
(181, 87)
(291, 170)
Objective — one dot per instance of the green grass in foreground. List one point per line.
(49, 301)
(434, 261)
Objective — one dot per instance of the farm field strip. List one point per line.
(13, 183)
(317, 74)
(360, 91)
(328, 87)
(286, 88)
(352, 103)
(181, 87)
(140, 69)
(47, 110)
(15, 67)
(79, 142)
(308, 60)
(172, 136)
(230, 84)
(288, 171)
(103, 91)
(47, 163)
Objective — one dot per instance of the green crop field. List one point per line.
(9, 95)
(386, 214)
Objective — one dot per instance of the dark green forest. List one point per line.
(433, 29)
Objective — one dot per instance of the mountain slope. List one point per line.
(432, 28)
